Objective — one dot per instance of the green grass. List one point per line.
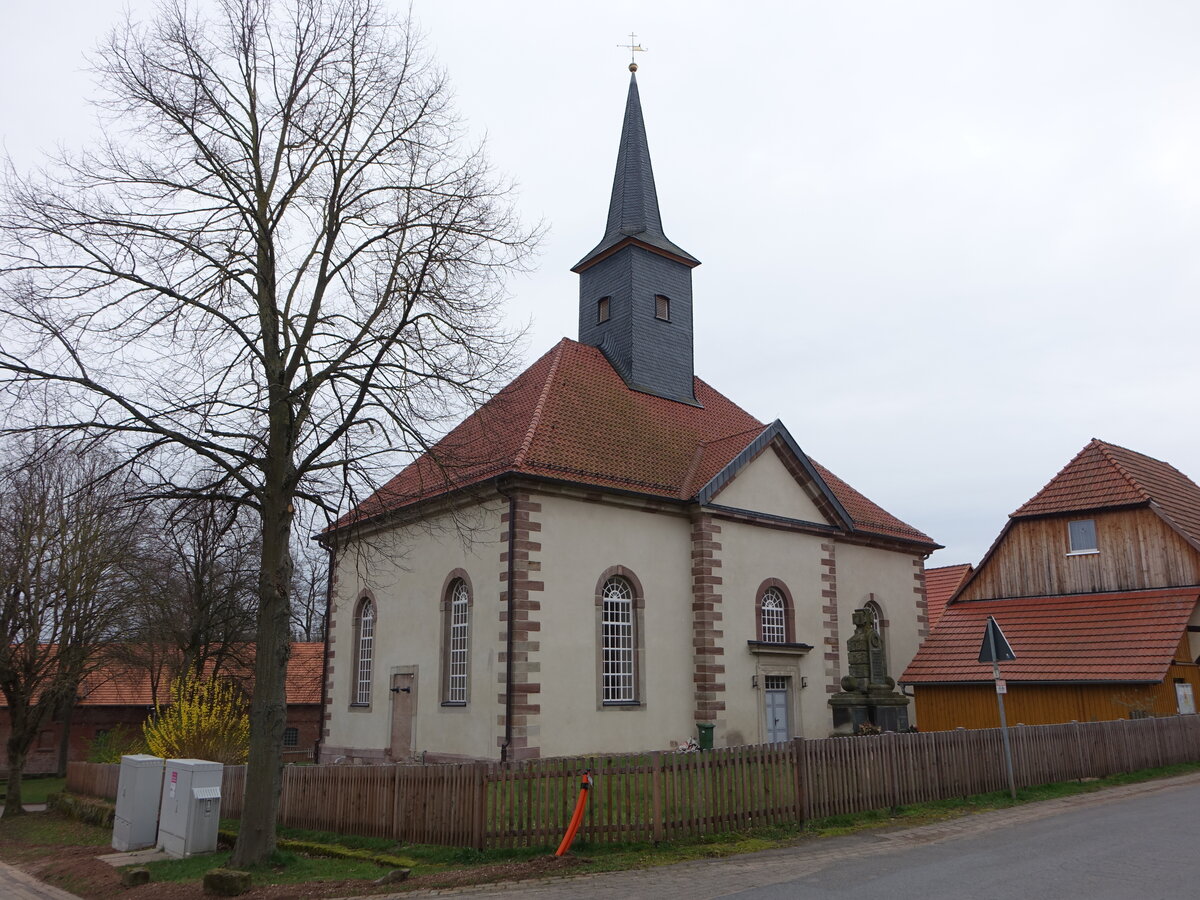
(284, 868)
(34, 788)
(50, 830)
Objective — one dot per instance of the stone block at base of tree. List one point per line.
(393, 876)
(135, 876)
(226, 882)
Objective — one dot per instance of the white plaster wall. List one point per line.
(580, 540)
(751, 554)
(766, 486)
(887, 574)
(405, 569)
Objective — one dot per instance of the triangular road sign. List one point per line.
(995, 646)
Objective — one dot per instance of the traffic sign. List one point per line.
(995, 647)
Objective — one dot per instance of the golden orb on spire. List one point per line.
(633, 67)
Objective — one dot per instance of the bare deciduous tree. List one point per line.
(309, 587)
(69, 537)
(281, 260)
(195, 609)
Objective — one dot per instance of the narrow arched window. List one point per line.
(879, 623)
(618, 679)
(364, 650)
(773, 617)
(662, 308)
(458, 635)
(603, 310)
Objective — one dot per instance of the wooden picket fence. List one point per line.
(664, 796)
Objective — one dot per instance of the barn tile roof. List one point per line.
(1123, 637)
(1103, 475)
(122, 684)
(940, 584)
(571, 417)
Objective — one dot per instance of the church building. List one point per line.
(609, 555)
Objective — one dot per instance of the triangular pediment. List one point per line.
(772, 476)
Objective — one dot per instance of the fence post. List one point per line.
(1081, 773)
(891, 749)
(479, 805)
(798, 756)
(656, 809)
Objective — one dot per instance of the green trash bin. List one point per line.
(706, 734)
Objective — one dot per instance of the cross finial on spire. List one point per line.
(633, 47)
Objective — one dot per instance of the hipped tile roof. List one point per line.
(1103, 475)
(940, 584)
(122, 684)
(1115, 637)
(571, 417)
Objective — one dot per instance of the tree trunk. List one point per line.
(16, 766)
(268, 707)
(64, 737)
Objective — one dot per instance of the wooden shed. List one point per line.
(1096, 583)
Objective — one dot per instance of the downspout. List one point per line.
(508, 629)
(325, 656)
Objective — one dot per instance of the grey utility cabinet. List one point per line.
(191, 807)
(135, 823)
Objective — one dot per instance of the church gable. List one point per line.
(765, 485)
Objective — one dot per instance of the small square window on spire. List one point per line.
(662, 307)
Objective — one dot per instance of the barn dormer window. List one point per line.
(662, 308)
(1081, 535)
(602, 309)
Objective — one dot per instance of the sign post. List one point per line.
(994, 650)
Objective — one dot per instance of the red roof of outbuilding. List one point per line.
(1103, 475)
(1123, 637)
(940, 584)
(571, 417)
(121, 684)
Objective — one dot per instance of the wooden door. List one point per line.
(404, 706)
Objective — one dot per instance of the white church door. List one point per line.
(776, 699)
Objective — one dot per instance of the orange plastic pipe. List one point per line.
(577, 816)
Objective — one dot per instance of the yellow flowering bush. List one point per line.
(206, 719)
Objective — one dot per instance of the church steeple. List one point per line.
(635, 286)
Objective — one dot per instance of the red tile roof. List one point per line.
(940, 584)
(571, 417)
(121, 684)
(1103, 475)
(1122, 637)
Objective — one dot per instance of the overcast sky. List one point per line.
(944, 243)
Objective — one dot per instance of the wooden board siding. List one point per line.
(1137, 550)
(943, 708)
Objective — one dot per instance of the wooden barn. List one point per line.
(1096, 583)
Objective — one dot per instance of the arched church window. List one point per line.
(364, 650)
(773, 617)
(879, 623)
(619, 682)
(457, 631)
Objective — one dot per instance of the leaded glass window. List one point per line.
(366, 644)
(458, 634)
(774, 626)
(617, 642)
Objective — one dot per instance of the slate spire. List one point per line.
(635, 286)
(633, 208)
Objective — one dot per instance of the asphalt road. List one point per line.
(1137, 842)
(1141, 847)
